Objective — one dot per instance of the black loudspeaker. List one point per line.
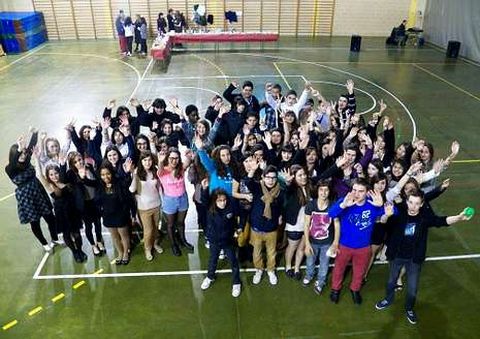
(453, 49)
(355, 43)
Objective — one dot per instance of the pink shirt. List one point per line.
(172, 186)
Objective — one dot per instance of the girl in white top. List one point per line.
(146, 186)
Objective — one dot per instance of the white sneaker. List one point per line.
(257, 277)
(58, 242)
(221, 256)
(207, 244)
(236, 289)
(48, 248)
(148, 255)
(206, 283)
(158, 248)
(272, 277)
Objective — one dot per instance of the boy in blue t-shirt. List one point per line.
(357, 216)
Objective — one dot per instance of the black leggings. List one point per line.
(92, 218)
(177, 219)
(52, 228)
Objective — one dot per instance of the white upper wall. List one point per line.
(16, 6)
(368, 17)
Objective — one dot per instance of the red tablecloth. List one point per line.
(162, 51)
(224, 37)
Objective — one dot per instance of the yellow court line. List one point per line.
(35, 310)
(373, 63)
(58, 297)
(99, 271)
(281, 74)
(10, 325)
(79, 284)
(219, 69)
(470, 161)
(113, 261)
(446, 81)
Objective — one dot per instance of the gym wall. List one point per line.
(451, 20)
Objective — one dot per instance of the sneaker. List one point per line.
(207, 244)
(297, 276)
(96, 251)
(158, 248)
(206, 283)
(272, 277)
(48, 248)
(221, 256)
(306, 281)
(257, 277)
(101, 247)
(58, 242)
(236, 289)
(148, 255)
(317, 287)
(289, 273)
(382, 304)
(411, 317)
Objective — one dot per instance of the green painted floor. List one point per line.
(438, 98)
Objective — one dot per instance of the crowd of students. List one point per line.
(293, 173)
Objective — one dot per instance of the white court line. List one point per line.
(197, 272)
(343, 85)
(344, 72)
(40, 266)
(7, 196)
(222, 77)
(139, 82)
(21, 58)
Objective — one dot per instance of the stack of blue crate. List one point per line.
(21, 31)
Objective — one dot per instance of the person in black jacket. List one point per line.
(250, 100)
(221, 231)
(407, 247)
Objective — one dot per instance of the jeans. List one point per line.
(320, 252)
(413, 276)
(213, 260)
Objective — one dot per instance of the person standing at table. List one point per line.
(161, 24)
(119, 21)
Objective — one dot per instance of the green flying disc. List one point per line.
(469, 211)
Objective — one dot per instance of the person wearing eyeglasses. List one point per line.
(265, 217)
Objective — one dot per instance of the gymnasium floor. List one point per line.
(426, 94)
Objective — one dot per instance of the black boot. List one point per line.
(356, 297)
(176, 250)
(334, 296)
(183, 240)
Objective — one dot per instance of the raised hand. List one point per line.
(223, 110)
(134, 102)
(268, 86)
(235, 84)
(445, 184)
(348, 201)
(174, 102)
(383, 106)
(154, 125)
(21, 142)
(62, 157)
(415, 168)
(308, 86)
(287, 175)
(111, 103)
(82, 172)
(106, 123)
(388, 209)
(341, 161)
(237, 142)
(439, 166)
(358, 167)
(350, 85)
(128, 165)
(376, 196)
(205, 183)
(267, 138)
(455, 148)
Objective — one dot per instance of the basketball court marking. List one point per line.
(414, 125)
(37, 275)
(139, 82)
(21, 58)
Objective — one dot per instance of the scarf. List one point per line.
(268, 197)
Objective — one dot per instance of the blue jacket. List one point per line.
(356, 223)
(215, 180)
